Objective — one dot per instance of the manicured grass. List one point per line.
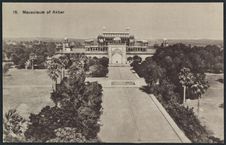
(210, 114)
(27, 77)
(26, 90)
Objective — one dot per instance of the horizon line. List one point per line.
(36, 37)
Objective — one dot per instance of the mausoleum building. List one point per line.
(117, 46)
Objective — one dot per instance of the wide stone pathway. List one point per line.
(130, 115)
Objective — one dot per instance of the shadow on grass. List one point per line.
(7, 75)
(221, 105)
(145, 89)
(220, 80)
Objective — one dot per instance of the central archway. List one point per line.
(117, 58)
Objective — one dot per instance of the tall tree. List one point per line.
(153, 73)
(199, 87)
(186, 79)
(54, 71)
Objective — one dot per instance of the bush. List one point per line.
(221, 81)
(221, 105)
(188, 122)
(6, 68)
(67, 135)
(98, 70)
(104, 61)
(14, 127)
(43, 124)
(166, 90)
(218, 68)
(97, 67)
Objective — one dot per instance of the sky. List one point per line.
(86, 20)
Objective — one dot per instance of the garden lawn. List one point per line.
(210, 114)
(26, 90)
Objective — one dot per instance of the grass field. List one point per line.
(26, 90)
(210, 113)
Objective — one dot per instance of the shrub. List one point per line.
(6, 68)
(43, 124)
(14, 127)
(221, 105)
(137, 58)
(221, 80)
(67, 135)
(218, 68)
(213, 139)
(166, 89)
(98, 70)
(97, 67)
(188, 122)
(104, 61)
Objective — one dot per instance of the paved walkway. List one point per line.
(130, 115)
(121, 73)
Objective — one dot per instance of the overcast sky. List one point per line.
(86, 20)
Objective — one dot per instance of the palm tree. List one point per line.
(199, 88)
(54, 71)
(186, 79)
(63, 63)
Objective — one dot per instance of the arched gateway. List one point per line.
(117, 54)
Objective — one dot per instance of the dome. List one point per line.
(117, 39)
(65, 38)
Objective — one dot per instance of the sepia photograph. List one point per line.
(113, 72)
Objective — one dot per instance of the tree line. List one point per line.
(176, 73)
(21, 52)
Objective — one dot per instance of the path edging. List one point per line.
(177, 130)
(134, 73)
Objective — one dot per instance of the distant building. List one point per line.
(117, 46)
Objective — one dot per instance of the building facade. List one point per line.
(117, 46)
